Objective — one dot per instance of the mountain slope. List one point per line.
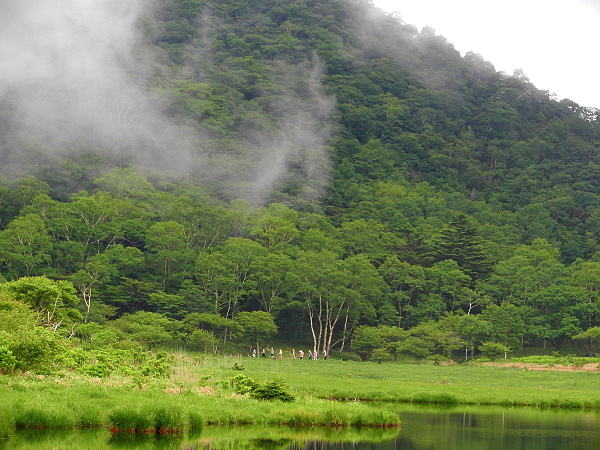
(272, 155)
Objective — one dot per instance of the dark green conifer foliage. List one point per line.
(459, 241)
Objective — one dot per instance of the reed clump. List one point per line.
(130, 420)
(168, 421)
(52, 418)
(7, 426)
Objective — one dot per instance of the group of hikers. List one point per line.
(313, 355)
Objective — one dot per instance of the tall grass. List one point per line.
(7, 425)
(164, 409)
(130, 420)
(42, 418)
(198, 394)
(169, 420)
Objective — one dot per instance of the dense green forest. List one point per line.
(328, 175)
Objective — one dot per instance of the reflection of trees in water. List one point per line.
(429, 427)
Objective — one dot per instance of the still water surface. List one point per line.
(422, 428)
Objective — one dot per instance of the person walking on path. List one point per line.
(263, 353)
(301, 353)
(280, 354)
(272, 353)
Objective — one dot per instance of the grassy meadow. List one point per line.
(204, 391)
(468, 384)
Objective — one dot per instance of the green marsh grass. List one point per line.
(7, 426)
(169, 420)
(195, 421)
(44, 416)
(165, 408)
(130, 420)
(197, 394)
(420, 383)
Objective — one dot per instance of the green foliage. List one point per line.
(242, 384)
(258, 325)
(168, 421)
(391, 183)
(416, 347)
(159, 365)
(506, 323)
(148, 327)
(214, 324)
(459, 242)
(557, 360)
(53, 301)
(95, 335)
(96, 370)
(195, 420)
(44, 418)
(493, 350)
(384, 340)
(8, 362)
(201, 340)
(590, 339)
(380, 355)
(272, 390)
(27, 346)
(107, 361)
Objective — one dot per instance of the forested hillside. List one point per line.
(315, 171)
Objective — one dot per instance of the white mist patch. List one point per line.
(75, 77)
(69, 42)
(297, 154)
(68, 68)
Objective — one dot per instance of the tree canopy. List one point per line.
(329, 173)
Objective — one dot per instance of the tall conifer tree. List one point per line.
(459, 241)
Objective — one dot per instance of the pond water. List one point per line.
(422, 428)
(496, 428)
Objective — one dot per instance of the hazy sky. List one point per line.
(553, 41)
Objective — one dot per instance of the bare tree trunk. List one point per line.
(320, 317)
(312, 326)
(345, 331)
(333, 320)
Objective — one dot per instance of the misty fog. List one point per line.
(74, 79)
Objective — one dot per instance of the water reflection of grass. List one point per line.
(283, 437)
(231, 437)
